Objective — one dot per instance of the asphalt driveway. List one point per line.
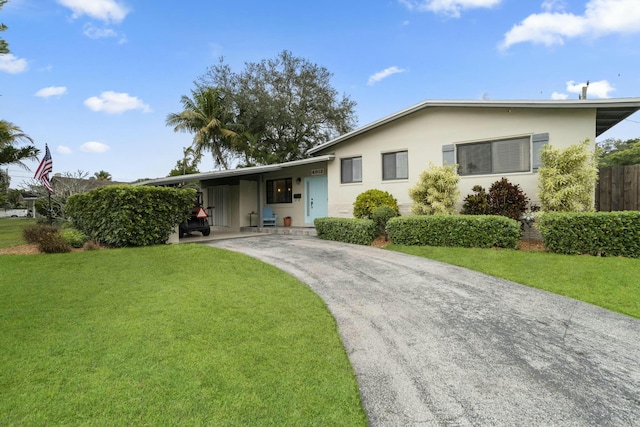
(434, 344)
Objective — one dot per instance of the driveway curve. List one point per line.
(435, 344)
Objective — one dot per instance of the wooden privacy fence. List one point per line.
(618, 189)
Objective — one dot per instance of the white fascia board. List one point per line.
(568, 103)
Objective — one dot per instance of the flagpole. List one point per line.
(50, 212)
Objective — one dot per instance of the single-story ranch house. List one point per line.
(487, 139)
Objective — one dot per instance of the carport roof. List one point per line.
(234, 172)
(609, 112)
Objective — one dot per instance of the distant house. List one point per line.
(487, 139)
(66, 186)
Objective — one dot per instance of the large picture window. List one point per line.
(494, 157)
(279, 191)
(351, 170)
(395, 165)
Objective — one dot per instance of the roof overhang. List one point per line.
(609, 112)
(240, 172)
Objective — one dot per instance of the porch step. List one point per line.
(292, 231)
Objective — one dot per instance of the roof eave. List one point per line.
(625, 103)
(203, 176)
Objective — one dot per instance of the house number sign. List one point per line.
(317, 171)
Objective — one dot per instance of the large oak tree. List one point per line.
(280, 108)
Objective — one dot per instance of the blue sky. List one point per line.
(95, 79)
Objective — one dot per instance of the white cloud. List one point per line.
(551, 5)
(448, 7)
(94, 147)
(598, 89)
(51, 91)
(115, 103)
(559, 96)
(601, 17)
(12, 64)
(63, 149)
(94, 32)
(103, 10)
(384, 74)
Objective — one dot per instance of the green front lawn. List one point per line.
(610, 282)
(167, 335)
(11, 231)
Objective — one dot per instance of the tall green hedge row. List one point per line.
(592, 233)
(473, 231)
(124, 215)
(348, 230)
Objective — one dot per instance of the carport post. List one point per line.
(260, 199)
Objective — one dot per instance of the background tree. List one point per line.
(14, 197)
(4, 46)
(187, 165)
(206, 115)
(281, 107)
(10, 153)
(5, 180)
(436, 192)
(567, 178)
(616, 152)
(102, 176)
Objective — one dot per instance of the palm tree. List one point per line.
(102, 176)
(10, 136)
(205, 116)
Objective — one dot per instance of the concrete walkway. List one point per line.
(434, 344)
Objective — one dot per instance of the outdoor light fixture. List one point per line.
(298, 180)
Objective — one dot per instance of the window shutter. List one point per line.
(448, 157)
(538, 140)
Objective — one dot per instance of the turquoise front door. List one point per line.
(316, 198)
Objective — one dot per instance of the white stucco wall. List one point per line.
(424, 133)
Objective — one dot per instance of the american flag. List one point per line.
(45, 168)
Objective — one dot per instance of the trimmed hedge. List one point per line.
(592, 233)
(124, 215)
(348, 230)
(470, 231)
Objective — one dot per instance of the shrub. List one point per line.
(476, 204)
(52, 242)
(91, 245)
(75, 238)
(347, 230)
(35, 233)
(567, 178)
(595, 233)
(507, 199)
(477, 231)
(503, 198)
(436, 192)
(367, 201)
(125, 215)
(381, 215)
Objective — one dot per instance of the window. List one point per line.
(279, 191)
(500, 156)
(395, 165)
(351, 170)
